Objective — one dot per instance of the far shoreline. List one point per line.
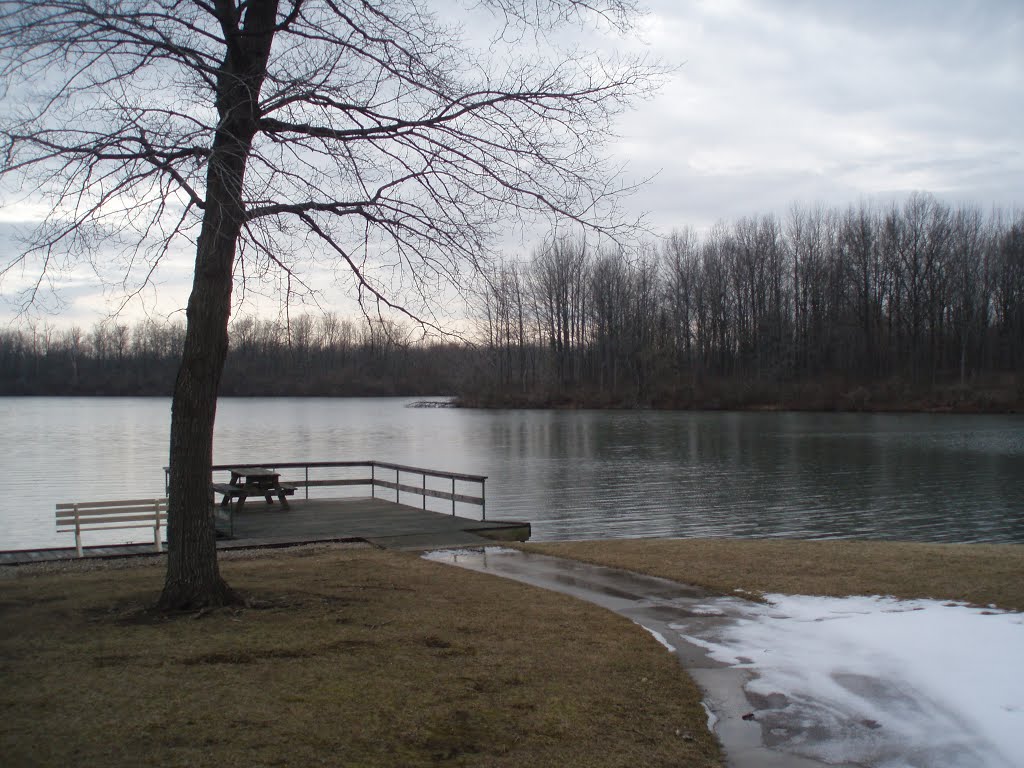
(779, 408)
(527, 403)
(963, 408)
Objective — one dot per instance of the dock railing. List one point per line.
(380, 477)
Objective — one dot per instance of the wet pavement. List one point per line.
(755, 732)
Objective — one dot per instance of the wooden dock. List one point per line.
(376, 521)
(379, 522)
(383, 523)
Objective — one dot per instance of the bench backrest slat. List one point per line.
(103, 504)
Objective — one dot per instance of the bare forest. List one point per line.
(324, 355)
(917, 306)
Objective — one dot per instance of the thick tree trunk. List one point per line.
(193, 578)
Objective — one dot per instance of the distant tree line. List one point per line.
(825, 308)
(326, 355)
(323, 355)
(907, 306)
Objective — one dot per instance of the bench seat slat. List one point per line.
(84, 521)
(97, 527)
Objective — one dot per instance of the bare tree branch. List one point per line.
(280, 138)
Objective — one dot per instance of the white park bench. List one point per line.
(112, 515)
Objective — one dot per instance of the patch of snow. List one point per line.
(659, 637)
(712, 717)
(878, 681)
(453, 555)
(705, 610)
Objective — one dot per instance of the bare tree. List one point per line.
(558, 282)
(281, 137)
(681, 256)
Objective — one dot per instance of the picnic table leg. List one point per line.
(284, 499)
(240, 503)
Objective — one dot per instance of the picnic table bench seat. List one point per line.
(239, 492)
(253, 490)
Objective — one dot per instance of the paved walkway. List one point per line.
(656, 604)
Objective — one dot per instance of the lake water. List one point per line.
(573, 474)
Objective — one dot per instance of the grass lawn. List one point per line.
(353, 657)
(358, 657)
(981, 574)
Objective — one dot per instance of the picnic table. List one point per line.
(253, 481)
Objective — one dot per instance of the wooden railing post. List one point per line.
(424, 490)
(373, 480)
(483, 500)
(397, 492)
(307, 481)
(453, 497)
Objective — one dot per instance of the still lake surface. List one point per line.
(573, 474)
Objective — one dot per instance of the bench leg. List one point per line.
(78, 533)
(156, 526)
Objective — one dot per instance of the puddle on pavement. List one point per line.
(674, 614)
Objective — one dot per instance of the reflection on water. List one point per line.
(579, 474)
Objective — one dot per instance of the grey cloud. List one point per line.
(831, 102)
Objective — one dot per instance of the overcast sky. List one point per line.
(776, 102)
(830, 102)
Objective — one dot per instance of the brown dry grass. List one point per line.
(975, 573)
(354, 658)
